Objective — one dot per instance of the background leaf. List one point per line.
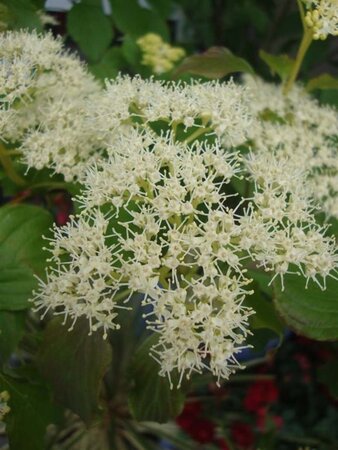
(31, 412)
(265, 324)
(91, 29)
(21, 253)
(109, 65)
(151, 398)
(12, 328)
(311, 312)
(278, 64)
(23, 14)
(134, 20)
(216, 62)
(74, 363)
(328, 375)
(325, 81)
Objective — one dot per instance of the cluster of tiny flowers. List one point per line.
(281, 232)
(82, 262)
(221, 108)
(173, 232)
(296, 127)
(322, 17)
(44, 96)
(158, 54)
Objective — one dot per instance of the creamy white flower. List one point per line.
(82, 280)
(179, 238)
(296, 128)
(322, 17)
(222, 108)
(45, 93)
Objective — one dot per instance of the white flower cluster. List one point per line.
(221, 109)
(170, 237)
(173, 231)
(44, 100)
(158, 162)
(322, 17)
(296, 127)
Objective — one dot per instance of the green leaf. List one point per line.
(131, 51)
(21, 253)
(150, 398)
(23, 15)
(12, 328)
(312, 311)
(325, 81)
(263, 280)
(163, 7)
(75, 363)
(216, 62)
(265, 314)
(265, 324)
(91, 29)
(31, 411)
(133, 19)
(328, 375)
(110, 65)
(278, 64)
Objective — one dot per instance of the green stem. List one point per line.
(9, 168)
(199, 132)
(51, 185)
(303, 48)
(302, 13)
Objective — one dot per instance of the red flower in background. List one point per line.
(63, 208)
(242, 435)
(200, 429)
(260, 394)
(222, 444)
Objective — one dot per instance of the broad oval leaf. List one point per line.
(265, 324)
(325, 81)
(150, 398)
(328, 375)
(74, 363)
(12, 329)
(21, 253)
(278, 64)
(109, 65)
(132, 19)
(312, 311)
(31, 411)
(91, 29)
(216, 62)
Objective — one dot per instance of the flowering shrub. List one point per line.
(201, 213)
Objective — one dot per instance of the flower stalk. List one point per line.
(7, 164)
(303, 48)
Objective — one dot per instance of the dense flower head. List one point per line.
(160, 214)
(322, 17)
(45, 93)
(175, 232)
(158, 54)
(297, 128)
(221, 108)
